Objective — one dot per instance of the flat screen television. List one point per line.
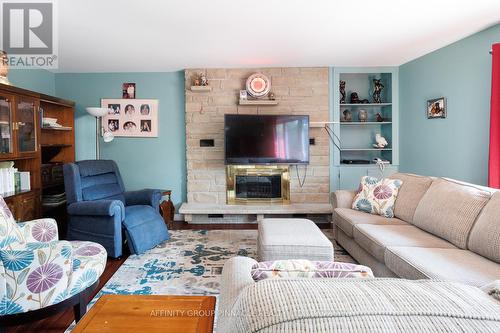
(266, 139)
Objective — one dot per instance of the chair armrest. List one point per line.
(342, 199)
(98, 208)
(35, 274)
(149, 197)
(236, 275)
(40, 230)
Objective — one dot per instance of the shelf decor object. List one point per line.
(258, 85)
(4, 68)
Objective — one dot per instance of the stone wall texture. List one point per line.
(299, 91)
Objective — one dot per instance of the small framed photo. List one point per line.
(243, 94)
(128, 90)
(436, 108)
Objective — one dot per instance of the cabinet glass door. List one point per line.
(5, 125)
(26, 126)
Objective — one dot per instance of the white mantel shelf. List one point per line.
(189, 209)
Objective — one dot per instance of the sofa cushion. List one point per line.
(484, 237)
(449, 209)
(410, 193)
(376, 238)
(347, 218)
(377, 196)
(446, 264)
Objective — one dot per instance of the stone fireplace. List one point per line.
(299, 91)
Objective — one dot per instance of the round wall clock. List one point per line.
(258, 85)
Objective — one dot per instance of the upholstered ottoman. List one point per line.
(292, 239)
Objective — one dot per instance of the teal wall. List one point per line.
(144, 162)
(457, 146)
(38, 80)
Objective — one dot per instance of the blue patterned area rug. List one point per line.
(189, 263)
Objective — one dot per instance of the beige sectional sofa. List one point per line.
(442, 229)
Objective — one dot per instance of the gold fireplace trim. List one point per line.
(257, 170)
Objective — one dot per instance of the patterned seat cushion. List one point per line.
(308, 269)
(89, 261)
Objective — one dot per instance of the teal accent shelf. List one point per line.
(356, 137)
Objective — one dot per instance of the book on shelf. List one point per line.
(12, 180)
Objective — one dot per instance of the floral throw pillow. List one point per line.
(377, 196)
(299, 268)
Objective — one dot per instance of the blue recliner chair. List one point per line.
(99, 207)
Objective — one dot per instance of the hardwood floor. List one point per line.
(59, 322)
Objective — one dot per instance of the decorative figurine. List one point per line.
(381, 142)
(342, 92)
(347, 116)
(203, 80)
(271, 96)
(196, 82)
(377, 90)
(362, 116)
(379, 117)
(4, 67)
(355, 99)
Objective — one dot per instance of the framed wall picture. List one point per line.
(131, 117)
(128, 90)
(436, 108)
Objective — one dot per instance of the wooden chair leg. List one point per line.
(81, 308)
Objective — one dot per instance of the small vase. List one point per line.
(4, 68)
(362, 116)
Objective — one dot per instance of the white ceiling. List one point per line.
(149, 35)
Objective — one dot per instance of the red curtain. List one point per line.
(494, 163)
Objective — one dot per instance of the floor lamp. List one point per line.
(107, 136)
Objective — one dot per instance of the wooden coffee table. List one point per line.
(140, 313)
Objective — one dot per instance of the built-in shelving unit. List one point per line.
(357, 137)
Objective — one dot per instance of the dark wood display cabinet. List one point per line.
(35, 148)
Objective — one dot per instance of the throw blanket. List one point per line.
(362, 305)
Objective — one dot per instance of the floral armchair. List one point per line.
(39, 272)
